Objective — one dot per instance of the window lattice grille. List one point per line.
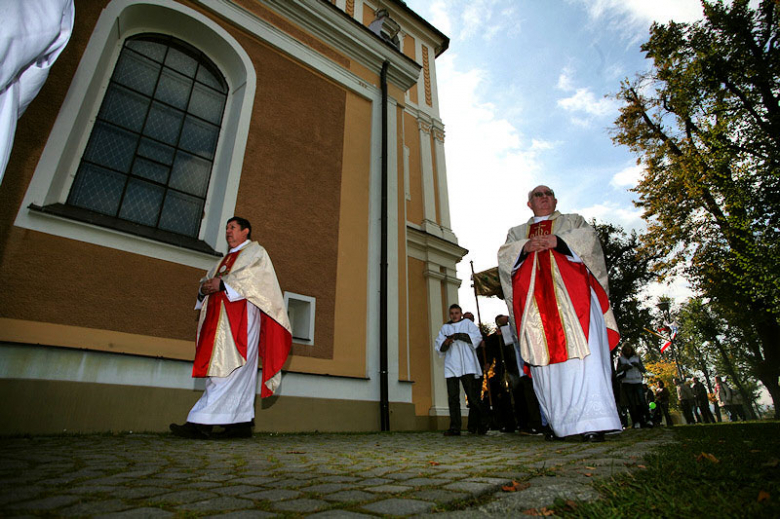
(150, 155)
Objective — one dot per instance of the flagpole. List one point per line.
(476, 299)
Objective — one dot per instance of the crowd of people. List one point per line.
(547, 368)
(500, 393)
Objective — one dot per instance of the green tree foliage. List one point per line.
(705, 122)
(629, 273)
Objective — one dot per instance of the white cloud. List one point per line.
(627, 218)
(462, 20)
(628, 177)
(644, 11)
(439, 17)
(537, 144)
(584, 100)
(565, 81)
(479, 139)
(490, 167)
(473, 18)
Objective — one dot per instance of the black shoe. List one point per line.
(234, 430)
(593, 437)
(193, 431)
(549, 435)
(451, 433)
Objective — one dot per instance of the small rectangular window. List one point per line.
(301, 311)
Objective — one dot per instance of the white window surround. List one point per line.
(56, 169)
(302, 312)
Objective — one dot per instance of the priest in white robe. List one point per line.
(554, 280)
(457, 342)
(242, 319)
(33, 33)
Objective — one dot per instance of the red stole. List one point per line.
(236, 313)
(577, 281)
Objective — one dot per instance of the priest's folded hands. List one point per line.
(544, 242)
(211, 286)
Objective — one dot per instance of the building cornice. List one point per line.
(439, 41)
(334, 28)
(433, 247)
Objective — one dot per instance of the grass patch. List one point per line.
(719, 470)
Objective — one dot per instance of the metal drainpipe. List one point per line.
(384, 399)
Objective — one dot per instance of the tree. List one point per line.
(715, 347)
(629, 272)
(705, 122)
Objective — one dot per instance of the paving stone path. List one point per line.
(313, 475)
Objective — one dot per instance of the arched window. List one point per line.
(149, 157)
(157, 114)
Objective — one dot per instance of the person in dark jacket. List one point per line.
(702, 400)
(662, 401)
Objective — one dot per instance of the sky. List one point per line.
(527, 96)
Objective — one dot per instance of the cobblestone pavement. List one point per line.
(314, 475)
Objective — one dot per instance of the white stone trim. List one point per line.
(30, 362)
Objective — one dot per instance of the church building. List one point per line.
(316, 120)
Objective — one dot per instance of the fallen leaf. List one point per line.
(515, 486)
(571, 504)
(589, 474)
(434, 463)
(763, 495)
(546, 511)
(706, 455)
(641, 466)
(589, 467)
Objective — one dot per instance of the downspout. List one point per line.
(384, 398)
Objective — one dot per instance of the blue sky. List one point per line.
(527, 97)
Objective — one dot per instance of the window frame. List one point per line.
(311, 308)
(42, 208)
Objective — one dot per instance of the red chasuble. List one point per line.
(275, 339)
(578, 282)
(236, 314)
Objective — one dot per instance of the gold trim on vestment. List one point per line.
(225, 359)
(576, 341)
